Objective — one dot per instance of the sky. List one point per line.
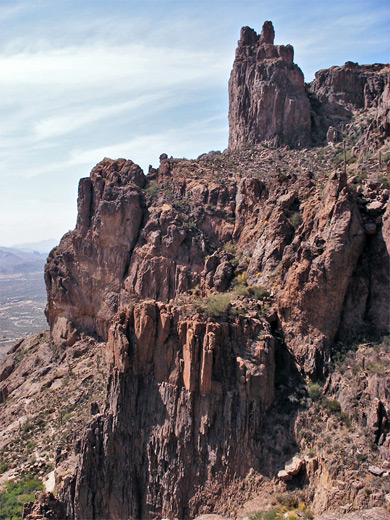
(82, 80)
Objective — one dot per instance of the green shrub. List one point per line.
(288, 501)
(31, 445)
(229, 247)
(296, 219)
(332, 405)
(15, 494)
(40, 422)
(314, 391)
(218, 304)
(152, 189)
(258, 291)
(27, 426)
(377, 367)
(3, 467)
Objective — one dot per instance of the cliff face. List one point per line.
(267, 98)
(301, 258)
(187, 398)
(218, 285)
(89, 265)
(169, 229)
(269, 101)
(336, 92)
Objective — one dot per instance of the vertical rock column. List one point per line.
(267, 97)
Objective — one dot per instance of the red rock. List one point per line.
(267, 98)
(375, 207)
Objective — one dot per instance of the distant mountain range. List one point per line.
(43, 246)
(25, 258)
(15, 261)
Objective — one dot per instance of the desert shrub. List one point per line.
(377, 367)
(218, 304)
(40, 421)
(241, 279)
(31, 445)
(258, 291)
(242, 290)
(27, 426)
(3, 467)
(152, 189)
(296, 219)
(15, 494)
(229, 247)
(268, 515)
(314, 391)
(343, 417)
(288, 501)
(332, 405)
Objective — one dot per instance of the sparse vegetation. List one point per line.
(289, 507)
(229, 247)
(296, 219)
(15, 494)
(314, 391)
(218, 305)
(152, 189)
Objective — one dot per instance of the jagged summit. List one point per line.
(249, 36)
(269, 101)
(267, 97)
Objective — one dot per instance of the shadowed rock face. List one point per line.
(267, 98)
(187, 399)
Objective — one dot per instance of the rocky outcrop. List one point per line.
(353, 85)
(203, 276)
(189, 390)
(307, 251)
(85, 272)
(314, 280)
(336, 92)
(186, 401)
(267, 98)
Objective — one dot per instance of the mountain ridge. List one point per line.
(234, 298)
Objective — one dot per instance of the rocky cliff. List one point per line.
(217, 289)
(269, 101)
(267, 98)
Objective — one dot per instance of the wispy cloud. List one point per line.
(84, 80)
(72, 118)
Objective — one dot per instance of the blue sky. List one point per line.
(85, 79)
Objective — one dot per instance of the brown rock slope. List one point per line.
(337, 92)
(190, 383)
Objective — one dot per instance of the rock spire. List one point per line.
(267, 98)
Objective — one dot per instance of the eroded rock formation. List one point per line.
(336, 92)
(267, 98)
(269, 101)
(187, 398)
(208, 279)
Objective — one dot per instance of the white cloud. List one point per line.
(101, 67)
(72, 118)
(84, 80)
